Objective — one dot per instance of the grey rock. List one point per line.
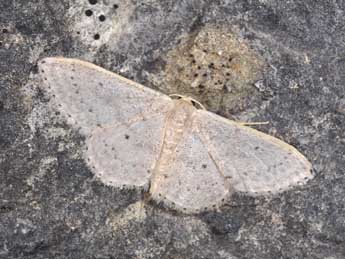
(51, 206)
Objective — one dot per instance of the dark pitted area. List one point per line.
(288, 70)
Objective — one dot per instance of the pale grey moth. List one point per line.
(188, 158)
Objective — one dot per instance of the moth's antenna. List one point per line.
(199, 103)
(177, 95)
(189, 99)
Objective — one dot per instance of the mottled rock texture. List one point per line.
(289, 70)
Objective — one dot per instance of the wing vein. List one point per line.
(210, 149)
(213, 158)
(136, 119)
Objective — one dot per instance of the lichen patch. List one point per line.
(214, 66)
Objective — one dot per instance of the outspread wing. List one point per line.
(92, 96)
(123, 121)
(125, 155)
(254, 162)
(192, 182)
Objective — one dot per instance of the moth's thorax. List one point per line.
(181, 113)
(178, 121)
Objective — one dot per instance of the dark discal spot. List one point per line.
(93, 2)
(115, 6)
(148, 171)
(90, 110)
(204, 166)
(126, 136)
(96, 36)
(4, 31)
(256, 148)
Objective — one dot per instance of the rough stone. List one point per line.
(51, 206)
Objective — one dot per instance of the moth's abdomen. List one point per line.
(177, 124)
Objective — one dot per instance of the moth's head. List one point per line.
(188, 100)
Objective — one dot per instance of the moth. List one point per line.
(188, 158)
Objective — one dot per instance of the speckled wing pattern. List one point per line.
(254, 162)
(193, 181)
(125, 125)
(123, 121)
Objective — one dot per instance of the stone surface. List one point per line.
(51, 206)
